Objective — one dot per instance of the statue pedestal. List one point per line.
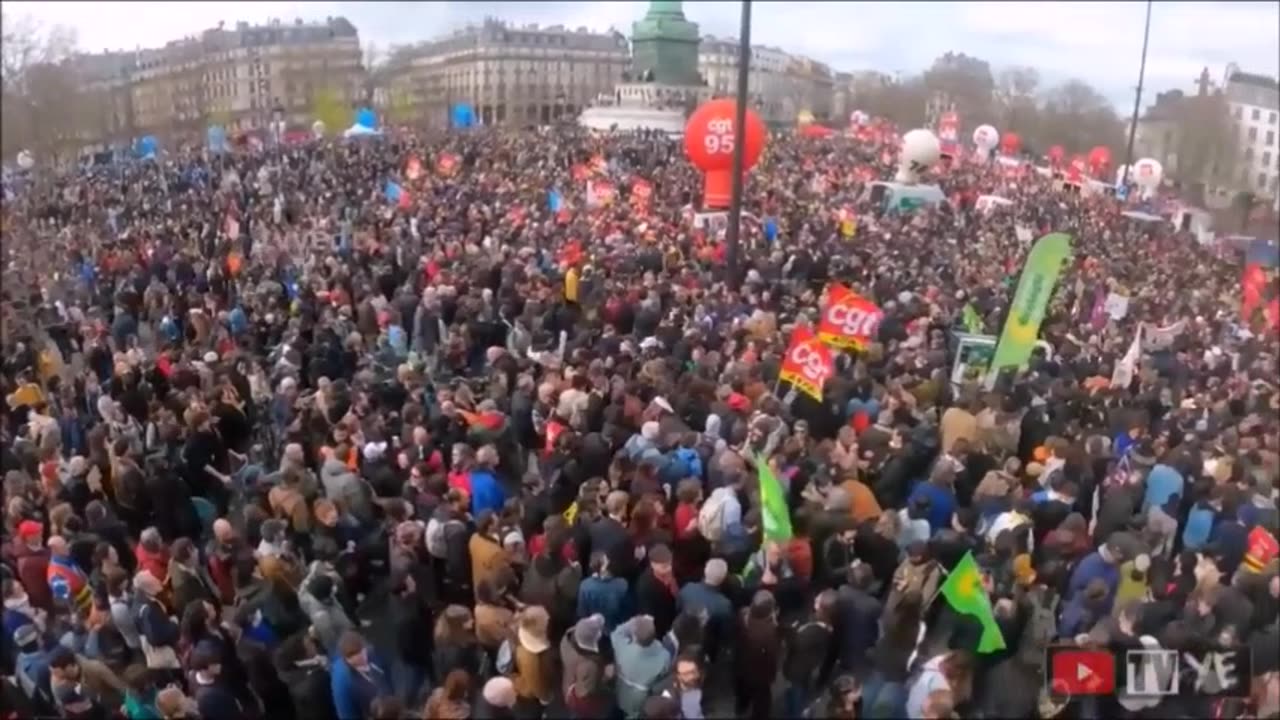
(645, 106)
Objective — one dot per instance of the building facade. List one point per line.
(1255, 109)
(106, 97)
(241, 78)
(780, 85)
(510, 75)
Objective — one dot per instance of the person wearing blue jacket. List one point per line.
(1163, 482)
(486, 491)
(942, 498)
(1102, 564)
(356, 678)
(603, 593)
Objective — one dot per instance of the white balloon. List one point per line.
(985, 137)
(920, 150)
(26, 160)
(857, 117)
(317, 129)
(1147, 173)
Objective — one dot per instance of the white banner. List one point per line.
(1122, 377)
(1162, 338)
(1116, 306)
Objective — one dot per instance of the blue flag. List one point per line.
(554, 201)
(771, 229)
(391, 191)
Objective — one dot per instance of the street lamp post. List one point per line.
(733, 231)
(1137, 100)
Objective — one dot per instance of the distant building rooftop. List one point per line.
(1257, 90)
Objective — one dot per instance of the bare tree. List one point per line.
(1015, 96)
(901, 102)
(1205, 141)
(40, 87)
(966, 81)
(1078, 117)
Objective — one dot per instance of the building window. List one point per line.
(1262, 181)
(1248, 155)
(1271, 118)
(1256, 114)
(1271, 138)
(1253, 134)
(1266, 159)
(1238, 113)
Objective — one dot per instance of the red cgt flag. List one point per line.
(808, 363)
(849, 321)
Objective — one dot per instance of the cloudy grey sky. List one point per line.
(1100, 42)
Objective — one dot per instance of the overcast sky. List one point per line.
(1098, 42)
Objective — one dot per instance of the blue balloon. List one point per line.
(216, 139)
(147, 146)
(367, 118)
(463, 115)
(391, 191)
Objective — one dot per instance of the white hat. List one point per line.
(374, 450)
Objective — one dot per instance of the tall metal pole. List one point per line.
(1137, 99)
(732, 232)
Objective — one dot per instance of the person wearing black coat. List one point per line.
(305, 673)
(167, 493)
(265, 680)
(655, 590)
(875, 544)
(213, 696)
(810, 654)
(857, 619)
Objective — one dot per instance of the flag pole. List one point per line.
(732, 232)
(1137, 100)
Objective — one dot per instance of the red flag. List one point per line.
(848, 319)
(413, 168)
(447, 164)
(807, 364)
(641, 192)
(1258, 293)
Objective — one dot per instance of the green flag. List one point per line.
(773, 503)
(964, 592)
(972, 321)
(1035, 288)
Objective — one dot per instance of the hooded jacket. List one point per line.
(345, 487)
(640, 669)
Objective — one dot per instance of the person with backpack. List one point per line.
(721, 511)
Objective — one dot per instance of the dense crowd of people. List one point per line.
(279, 443)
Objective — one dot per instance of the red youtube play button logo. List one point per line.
(1082, 672)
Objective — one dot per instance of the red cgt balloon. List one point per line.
(709, 139)
(1075, 171)
(1010, 143)
(1099, 160)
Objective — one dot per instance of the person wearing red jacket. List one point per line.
(67, 582)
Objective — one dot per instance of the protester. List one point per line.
(465, 454)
